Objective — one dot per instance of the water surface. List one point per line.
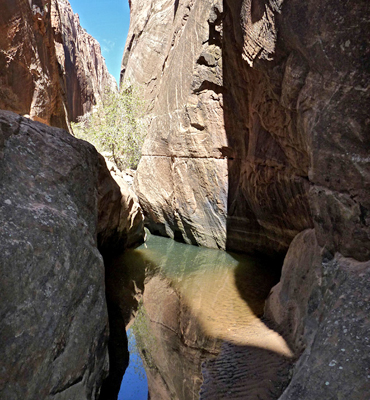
(134, 383)
(196, 301)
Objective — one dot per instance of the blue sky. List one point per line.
(108, 22)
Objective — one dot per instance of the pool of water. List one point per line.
(200, 313)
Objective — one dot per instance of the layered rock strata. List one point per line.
(29, 72)
(50, 68)
(231, 121)
(54, 329)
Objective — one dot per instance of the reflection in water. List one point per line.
(198, 300)
(134, 383)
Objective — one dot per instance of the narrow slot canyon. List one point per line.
(223, 217)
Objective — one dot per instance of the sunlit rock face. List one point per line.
(174, 51)
(244, 80)
(84, 73)
(50, 68)
(58, 204)
(29, 72)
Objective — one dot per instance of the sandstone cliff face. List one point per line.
(84, 73)
(29, 72)
(182, 177)
(56, 199)
(221, 82)
(259, 131)
(50, 68)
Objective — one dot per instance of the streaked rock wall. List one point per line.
(50, 68)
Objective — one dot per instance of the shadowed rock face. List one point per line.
(54, 329)
(50, 68)
(297, 117)
(321, 307)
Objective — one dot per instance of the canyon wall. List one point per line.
(84, 73)
(58, 205)
(259, 142)
(250, 137)
(50, 68)
(182, 176)
(60, 209)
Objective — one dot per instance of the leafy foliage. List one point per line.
(116, 126)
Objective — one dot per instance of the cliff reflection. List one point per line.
(196, 300)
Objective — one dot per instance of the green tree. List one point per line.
(117, 126)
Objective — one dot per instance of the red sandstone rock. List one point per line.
(29, 72)
(50, 68)
(84, 73)
(247, 91)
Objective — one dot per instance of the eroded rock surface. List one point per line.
(321, 307)
(29, 72)
(221, 82)
(259, 131)
(182, 177)
(294, 122)
(84, 73)
(54, 329)
(50, 68)
(120, 219)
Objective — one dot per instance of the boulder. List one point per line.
(54, 330)
(321, 307)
